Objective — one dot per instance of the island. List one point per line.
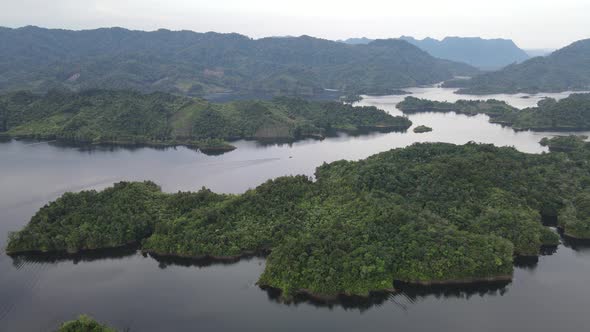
(430, 213)
(422, 129)
(564, 143)
(84, 323)
(384, 92)
(491, 107)
(160, 119)
(568, 114)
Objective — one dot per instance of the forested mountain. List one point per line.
(567, 114)
(565, 69)
(484, 54)
(487, 54)
(428, 213)
(186, 62)
(125, 117)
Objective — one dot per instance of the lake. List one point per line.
(130, 291)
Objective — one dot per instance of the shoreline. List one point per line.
(232, 258)
(73, 254)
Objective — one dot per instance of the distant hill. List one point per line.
(487, 54)
(565, 69)
(357, 41)
(186, 62)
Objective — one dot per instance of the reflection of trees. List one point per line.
(83, 256)
(165, 261)
(405, 294)
(575, 244)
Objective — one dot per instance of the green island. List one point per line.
(84, 323)
(493, 108)
(567, 69)
(427, 214)
(422, 129)
(564, 143)
(384, 92)
(568, 114)
(160, 119)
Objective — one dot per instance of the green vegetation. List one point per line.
(491, 107)
(563, 70)
(571, 113)
(564, 143)
(575, 217)
(384, 92)
(123, 214)
(422, 129)
(351, 98)
(198, 64)
(84, 324)
(124, 117)
(429, 213)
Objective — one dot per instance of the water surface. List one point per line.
(128, 290)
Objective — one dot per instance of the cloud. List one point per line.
(531, 23)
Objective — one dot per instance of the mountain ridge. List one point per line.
(192, 63)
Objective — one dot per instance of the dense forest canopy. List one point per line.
(422, 129)
(84, 324)
(564, 143)
(125, 117)
(431, 212)
(186, 62)
(565, 69)
(571, 113)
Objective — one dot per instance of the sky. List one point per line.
(532, 24)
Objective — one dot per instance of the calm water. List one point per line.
(128, 290)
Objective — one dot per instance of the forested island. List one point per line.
(84, 323)
(426, 214)
(565, 69)
(564, 143)
(568, 114)
(160, 119)
(422, 129)
(491, 107)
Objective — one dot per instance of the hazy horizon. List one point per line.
(523, 22)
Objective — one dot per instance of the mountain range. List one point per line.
(485, 54)
(191, 63)
(565, 69)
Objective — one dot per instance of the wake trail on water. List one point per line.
(33, 271)
(54, 194)
(38, 143)
(228, 165)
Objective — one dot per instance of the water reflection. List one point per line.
(347, 302)
(403, 297)
(18, 260)
(579, 245)
(166, 261)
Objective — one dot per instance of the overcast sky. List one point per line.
(530, 23)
